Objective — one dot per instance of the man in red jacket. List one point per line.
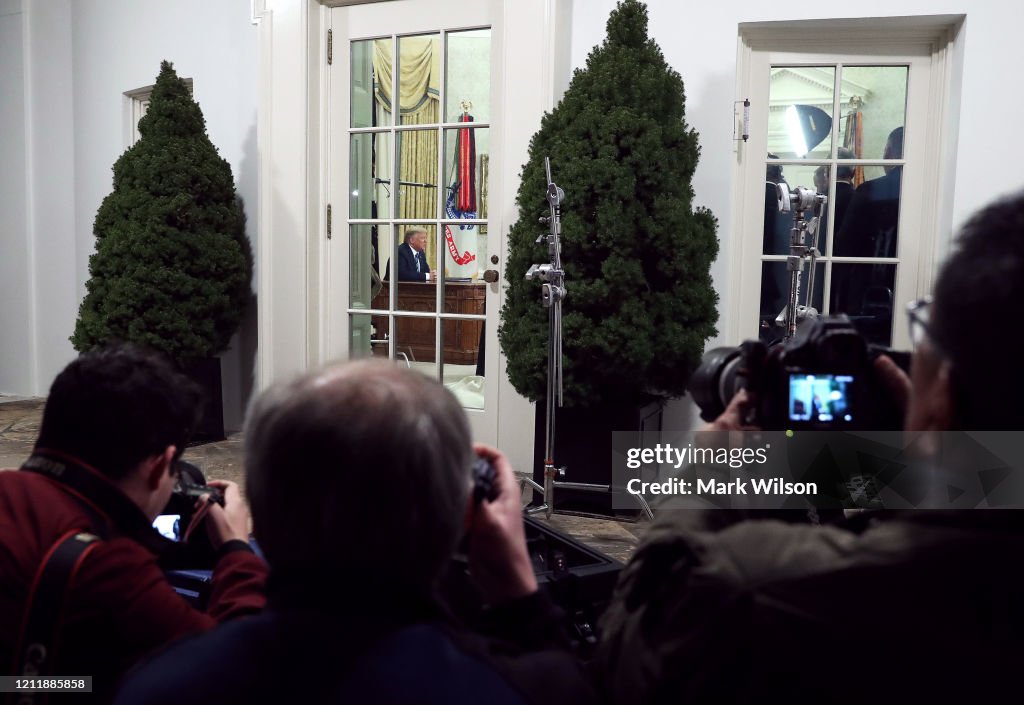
(104, 466)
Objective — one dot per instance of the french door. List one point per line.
(415, 246)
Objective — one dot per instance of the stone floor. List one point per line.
(19, 425)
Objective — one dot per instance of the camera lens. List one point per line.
(715, 381)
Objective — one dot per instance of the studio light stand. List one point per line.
(552, 293)
(803, 248)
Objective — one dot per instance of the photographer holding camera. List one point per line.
(360, 479)
(890, 606)
(82, 592)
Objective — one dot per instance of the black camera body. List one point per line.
(176, 517)
(822, 379)
(485, 484)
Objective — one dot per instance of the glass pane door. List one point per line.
(837, 129)
(418, 143)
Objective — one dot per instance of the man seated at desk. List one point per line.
(412, 262)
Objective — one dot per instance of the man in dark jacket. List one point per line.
(359, 477)
(114, 426)
(412, 260)
(893, 607)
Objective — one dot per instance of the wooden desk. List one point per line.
(416, 335)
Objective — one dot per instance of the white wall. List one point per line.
(699, 40)
(15, 283)
(81, 56)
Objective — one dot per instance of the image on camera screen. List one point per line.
(169, 526)
(823, 398)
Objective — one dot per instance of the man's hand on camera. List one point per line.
(498, 559)
(894, 380)
(231, 521)
(732, 419)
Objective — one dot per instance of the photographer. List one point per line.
(890, 606)
(104, 466)
(360, 476)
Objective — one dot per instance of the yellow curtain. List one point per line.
(417, 162)
(418, 88)
(419, 73)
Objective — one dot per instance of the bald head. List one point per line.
(363, 449)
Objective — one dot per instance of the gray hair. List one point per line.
(363, 452)
(412, 231)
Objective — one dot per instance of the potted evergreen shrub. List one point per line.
(172, 268)
(637, 255)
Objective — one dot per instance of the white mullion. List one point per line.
(396, 116)
(442, 280)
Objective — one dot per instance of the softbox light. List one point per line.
(808, 126)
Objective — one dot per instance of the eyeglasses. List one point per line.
(918, 313)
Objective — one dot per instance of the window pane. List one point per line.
(468, 72)
(370, 175)
(370, 91)
(777, 224)
(419, 79)
(870, 226)
(865, 293)
(365, 281)
(801, 102)
(874, 105)
(368, 335)
(775, 283)
(417, 174)
(463, 345)
(466, 170)
(415, 341)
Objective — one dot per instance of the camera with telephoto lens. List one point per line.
(823, 378)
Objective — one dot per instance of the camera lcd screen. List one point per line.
(169, 526)
(821, 398)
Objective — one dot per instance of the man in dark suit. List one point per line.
(412, 262)
(868, 228)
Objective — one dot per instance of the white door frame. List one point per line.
(895, 38)
(291, 148)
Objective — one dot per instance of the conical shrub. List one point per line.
(637, 255)
(172, 268)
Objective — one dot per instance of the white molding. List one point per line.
(136, 102)
(37, 385)
(265, 209)
(905, 32)
(347, 3)
(257, 9)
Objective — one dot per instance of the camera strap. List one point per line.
(36, 654)
(98, 496)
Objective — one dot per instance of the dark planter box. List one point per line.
(583, 446)
(206, 373)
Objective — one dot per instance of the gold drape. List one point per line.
(419, 73)
(418, 88)
(417, 161)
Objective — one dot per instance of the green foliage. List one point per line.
(637, 256)
(172, 267)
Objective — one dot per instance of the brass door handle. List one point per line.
(491, 276)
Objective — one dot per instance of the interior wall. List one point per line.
(699, 40)
(83, 56)
(15, 284)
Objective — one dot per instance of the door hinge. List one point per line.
(328, 221)
(330, 47)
